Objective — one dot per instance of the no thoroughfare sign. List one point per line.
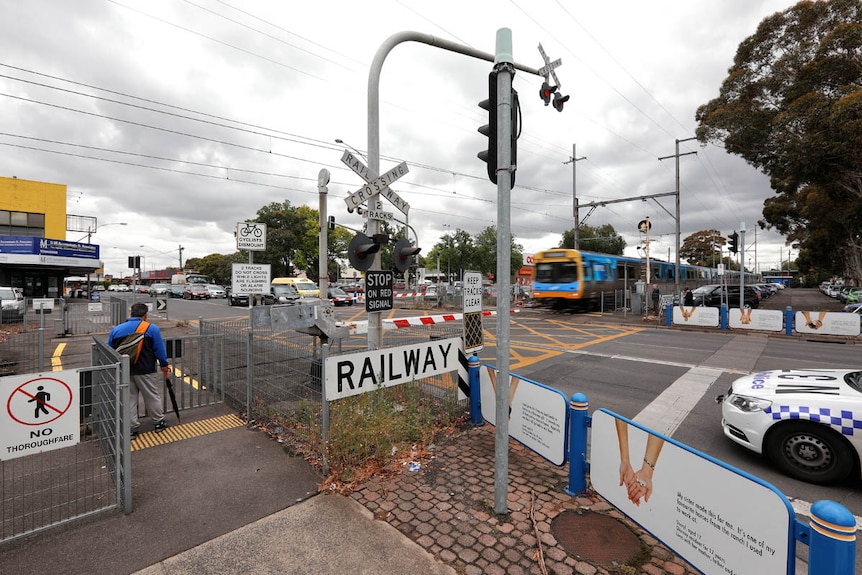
(40, 413)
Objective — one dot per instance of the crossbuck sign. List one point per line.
(374, 184)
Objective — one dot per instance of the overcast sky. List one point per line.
(183, 117)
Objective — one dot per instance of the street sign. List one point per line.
(251, 236)
(378, 290)
(380, 215)
(374, 184)
(39, 413)
(250, 278)
(472, 304)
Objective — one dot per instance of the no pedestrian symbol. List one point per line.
(39, 401)
(40, 413)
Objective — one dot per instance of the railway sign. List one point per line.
(374, 184)
(472, 305)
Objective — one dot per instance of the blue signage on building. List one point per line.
(24, 245)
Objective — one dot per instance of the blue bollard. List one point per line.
(668, 315)
(788, 320)
(579, 421)
(832, 549)
(722, 317)
(473, 366)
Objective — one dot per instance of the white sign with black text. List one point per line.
(357, 373)
(40, 413)
(250, 278)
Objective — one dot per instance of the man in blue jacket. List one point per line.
(145, 378)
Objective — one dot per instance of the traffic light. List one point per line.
(489, 130)
(733, 242)
(489, 156)
(135, 262)
(403, 254)
(331, 223)
(559, 100)
(546, 91)
(361, 250)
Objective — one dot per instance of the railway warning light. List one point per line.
(546, 91)
(489, 130)
(559, 100)
(361, 250)
(403, 254)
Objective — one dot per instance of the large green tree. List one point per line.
(791, 106)
(603, 239)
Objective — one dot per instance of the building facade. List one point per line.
(34, 254)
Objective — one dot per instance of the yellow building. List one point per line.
(34, 253)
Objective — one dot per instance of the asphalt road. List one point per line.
(625, 366)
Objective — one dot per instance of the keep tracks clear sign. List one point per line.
(39, 413)
(356, 373)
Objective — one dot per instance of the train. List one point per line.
(567, 278)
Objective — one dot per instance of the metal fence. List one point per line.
(50, 488)
(283, 386)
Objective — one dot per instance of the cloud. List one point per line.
(185, 118)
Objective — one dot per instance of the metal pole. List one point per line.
(504, 264)
(374, 318)
(576, 237)
(249, 355)
(324, 435)
(742, 265)
(323, 237)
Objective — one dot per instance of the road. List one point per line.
(626, 368)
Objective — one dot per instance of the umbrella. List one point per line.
(173, 397)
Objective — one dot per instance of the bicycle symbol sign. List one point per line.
(251, 236)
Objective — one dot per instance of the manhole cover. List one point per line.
(595, 537)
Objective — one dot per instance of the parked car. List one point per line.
(339, 297)
(118, 287)
(160, 289)
(241, 299)
(196, 291)
(141, 288)
(285, 294)
(431, 293)
(713, 295)
(802, 420)
(216, 291)
(12, 304)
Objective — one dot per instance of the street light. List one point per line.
(343, 143)
(90, 232)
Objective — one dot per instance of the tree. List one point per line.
(485, 256)
(603, 239)
(791, 106)
(703, 248)
(219, 267)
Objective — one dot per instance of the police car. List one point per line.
(807, 421)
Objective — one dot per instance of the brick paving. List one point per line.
(447, 507)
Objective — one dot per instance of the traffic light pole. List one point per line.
(375, 320)
(503, 59)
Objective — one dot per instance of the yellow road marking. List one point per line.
(186, 378)
(56, 359)
(186, 431)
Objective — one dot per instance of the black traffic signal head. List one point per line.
(559, 100)
(331, 223)
(403, 254)
(733, 242)
(546, 91)
(489, 130)
(361, 250)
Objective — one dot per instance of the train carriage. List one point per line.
(566, 278)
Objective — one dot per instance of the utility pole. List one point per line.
(574, 160)
(676, 265)
(181, 259)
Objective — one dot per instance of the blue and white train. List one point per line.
(567, 278)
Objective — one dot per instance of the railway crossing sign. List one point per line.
(549, 66)
(39, 413)
(374, 184)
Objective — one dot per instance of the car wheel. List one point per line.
(810, 452)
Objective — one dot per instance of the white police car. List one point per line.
(807, 421)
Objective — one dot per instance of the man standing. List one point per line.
(145, 378)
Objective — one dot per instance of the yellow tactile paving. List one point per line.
(186, 431)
